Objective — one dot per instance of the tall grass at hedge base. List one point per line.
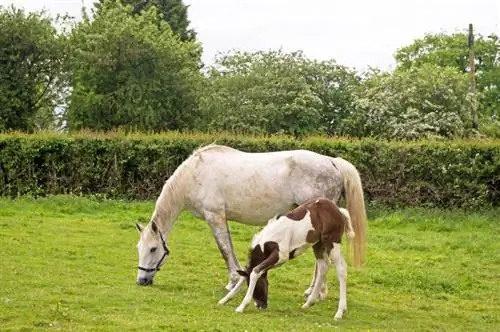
(459, 173)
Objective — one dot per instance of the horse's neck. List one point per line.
(169, 205)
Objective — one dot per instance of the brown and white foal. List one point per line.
(317, 223)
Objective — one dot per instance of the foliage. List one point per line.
(451, 50)
(259, 93)
(68, 263)
(131, 71)
(423, 101)
(418, 173)
(174, 12)
(31, 58)
(275, 92)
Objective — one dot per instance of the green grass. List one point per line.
(69, 263)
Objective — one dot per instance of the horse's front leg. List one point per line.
(220, 231)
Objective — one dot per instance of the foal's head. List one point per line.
(256, 256)
(152, 251)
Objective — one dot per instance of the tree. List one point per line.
(276, 92)
(31, 58)
(130, 71)
(174, 12)
(452, 51)
(334, 85)
(425, 101)
(260, 92)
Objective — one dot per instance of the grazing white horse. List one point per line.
(317, 223)
(219, 183)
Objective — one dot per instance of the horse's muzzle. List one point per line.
(145, 281)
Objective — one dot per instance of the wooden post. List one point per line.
(472, 72)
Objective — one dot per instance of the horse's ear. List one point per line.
(154, 227)
(139, 227)
(242, 273)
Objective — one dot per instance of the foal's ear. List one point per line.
(242, 273)
(139, 227)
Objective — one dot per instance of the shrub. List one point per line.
(427, 173)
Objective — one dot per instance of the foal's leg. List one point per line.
(323, 293)
(220, 231)
(341, 267)
(322, 269)
(256, 273)
(320, 275)
(254, 276)
(233, 291)
(308, 291)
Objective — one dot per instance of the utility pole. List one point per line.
(472, 73)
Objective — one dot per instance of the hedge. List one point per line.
(419, 173)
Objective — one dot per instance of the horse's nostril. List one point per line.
(144, 281)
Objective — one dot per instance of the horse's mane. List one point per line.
(211, 146)
(171, 194)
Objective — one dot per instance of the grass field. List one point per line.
(69, 263)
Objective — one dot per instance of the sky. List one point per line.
(356, 33)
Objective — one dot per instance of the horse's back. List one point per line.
(253, 187)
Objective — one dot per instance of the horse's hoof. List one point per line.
(221, 302)
(239, 309)
(305, 305)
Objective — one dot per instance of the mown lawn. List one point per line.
(69, 263)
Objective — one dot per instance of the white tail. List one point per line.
(355, 203)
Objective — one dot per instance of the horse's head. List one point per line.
(152, 251)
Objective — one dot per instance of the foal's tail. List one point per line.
(355, 202)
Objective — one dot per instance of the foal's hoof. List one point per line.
(239, 309)
(339, 314)
(221, 302)
(307, 305)
(230, 285)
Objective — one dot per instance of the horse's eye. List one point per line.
(152, 250)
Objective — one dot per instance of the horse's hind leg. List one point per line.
(220, 231)
(341, 268)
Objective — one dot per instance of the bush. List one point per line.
(418, 173)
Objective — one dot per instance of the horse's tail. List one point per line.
(355, 204)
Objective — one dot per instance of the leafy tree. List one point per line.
(276, 92)
(452, 50)
(334, 85)
(425, 101)
(174, 12)
(130, 71)
(31, 58)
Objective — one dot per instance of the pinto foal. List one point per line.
(317, 223)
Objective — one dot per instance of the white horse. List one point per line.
(219, 183)
(317, 223)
